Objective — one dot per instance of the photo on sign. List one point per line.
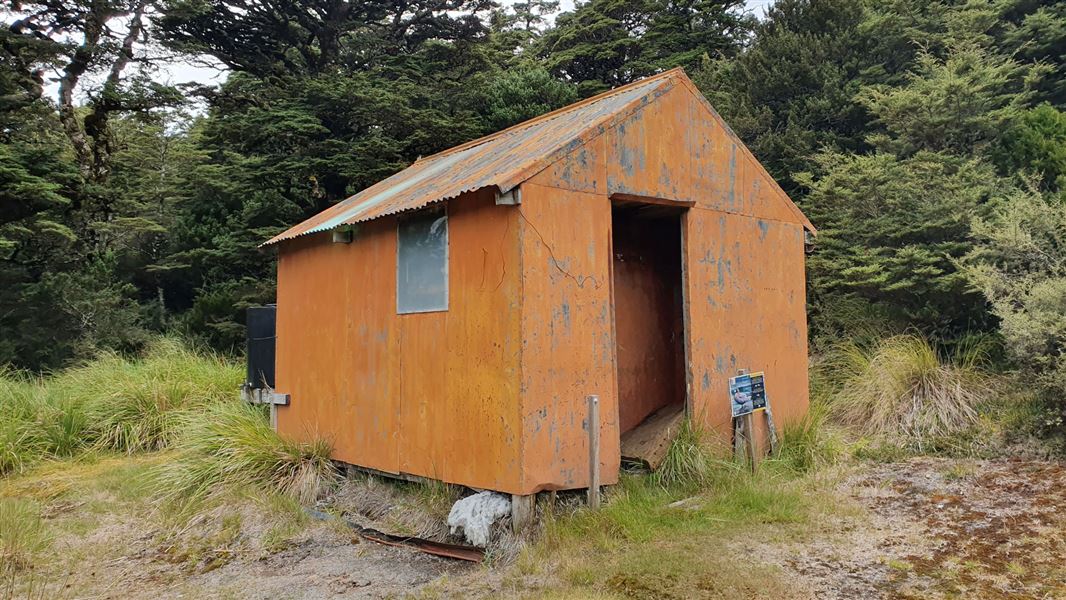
(740, 395)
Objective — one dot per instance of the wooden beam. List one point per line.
(523, 509)
(624, 198)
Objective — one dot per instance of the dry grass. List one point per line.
(904, 389)
(22, 533)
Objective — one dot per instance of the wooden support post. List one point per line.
(753, 452)
(523, 508)
(772, 429)
(594, 452)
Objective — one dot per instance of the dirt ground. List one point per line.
(922, 528)
(938, 528)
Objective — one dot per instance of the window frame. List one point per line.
(427, 213)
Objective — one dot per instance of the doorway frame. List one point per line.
(682, 209)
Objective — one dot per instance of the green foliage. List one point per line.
(1036, 143)
(109, 403)
(904, 390)
(890, 230)
(595, 47)
(230, 445)
(960, 104)
(522, 94)
(1019, 263)
(791, 92)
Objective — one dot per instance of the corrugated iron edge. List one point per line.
(667, 78)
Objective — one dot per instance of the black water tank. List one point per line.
(262, 338)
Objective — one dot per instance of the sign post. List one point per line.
(747, 394)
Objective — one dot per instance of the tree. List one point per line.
(521, 94)
(1036, 143)
(961, 104)
(282, 38)
(890, 231)
(791, 92)
(606, 43)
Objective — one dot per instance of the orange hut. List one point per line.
(449, 321)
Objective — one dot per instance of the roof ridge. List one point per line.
(551, 114)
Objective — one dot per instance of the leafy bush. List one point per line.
(904, 389)
(1019, 263)
(231, 445)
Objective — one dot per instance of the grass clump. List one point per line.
(139, 405)
(22, 533)
(110, 403)
(231, 445)
(692, 463)
(904, 389)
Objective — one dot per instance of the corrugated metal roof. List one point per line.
(503, 159)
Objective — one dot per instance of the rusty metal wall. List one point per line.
(743, 246)
(746, 310)
(432, 394)
(743, 280)
(567, 336)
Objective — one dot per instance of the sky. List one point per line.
(177, 73)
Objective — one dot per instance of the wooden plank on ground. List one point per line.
(649, 442)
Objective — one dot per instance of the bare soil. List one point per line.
(921, 528)
(939, 528)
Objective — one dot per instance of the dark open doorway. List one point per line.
(649, 326)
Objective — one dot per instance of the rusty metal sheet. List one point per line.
(503, 159)
(457, 551)
(429, 394)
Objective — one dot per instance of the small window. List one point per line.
(422, 263)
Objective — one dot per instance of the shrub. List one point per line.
(231, 445)
(1019, 263)
(903, 389)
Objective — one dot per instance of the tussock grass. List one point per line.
(22, 534)
(138, 405)
(690, 463)
(230, 445)
(904, 389)
(111, 403)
